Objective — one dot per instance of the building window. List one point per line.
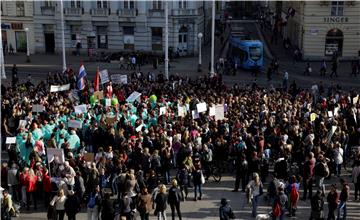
(75, 4)
(337, 8)
(20, 8)
(21, 44)
(48, 3)
(157, 5)
(102, 4)
(129, 38)
(156, 38)
(334, 42)
(102, 37)
(182, 4)
(128, 4)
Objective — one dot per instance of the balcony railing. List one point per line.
(127, 12)
(184, 12)
(74, 11)
(46, 10)
(156, 13)
(100, 12)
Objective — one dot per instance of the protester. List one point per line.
(58, 203)
(333, 201)
(317, 206)
(160, 201)
(225, 211)
(144, 204)
(344, 197)
(174, 198)
(254, 190)
(72, 205)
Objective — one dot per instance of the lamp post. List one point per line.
(200, 35)
(2, 63)
(212, 72)
(166, 41)
(27, 46)
(62, 34)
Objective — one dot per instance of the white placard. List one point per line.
(74, 124)
(201, 107)
(38, 108)
(212, 111)
(55, 152)
(80, 109)
(355, 99)
(330, 114)
(107, 102)
(195, 114)
(119, 79)
(10, 140)
(162, 111)
(219, 112)
(104, 76)
(22, 123)
(336, 111)
(181, 111)
(133, 96)
(55, 88)
(138, 128)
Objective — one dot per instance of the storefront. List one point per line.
(14, 37)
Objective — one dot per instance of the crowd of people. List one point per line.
(123, 167)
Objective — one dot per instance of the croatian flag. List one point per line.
(81, 76)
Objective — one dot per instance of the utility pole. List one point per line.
(62, 34)
(166, 41)
(212, 72)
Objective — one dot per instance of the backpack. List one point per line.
(92, 202)
(276, 210)
(294, 194)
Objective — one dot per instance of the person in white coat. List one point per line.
(338, 158)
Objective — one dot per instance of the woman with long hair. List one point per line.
(253, 190)
(144, 204)
(58, 202)
(160, 202)
(31, 188)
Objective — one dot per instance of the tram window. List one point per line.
(255, 53)
(236, 52)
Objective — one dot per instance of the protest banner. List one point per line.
(89, 157)
(99, 95)
(195, 114)
(74, 124)
(38, 108)
(119, 79)
(219, 112)
(201, 107)
(58, 88)
(10, 140)
(53, 153)
(181, 111)
(212, 111)
(135, 95)
(313, 116)
(104, 76)
(162, 111)
(79, 109)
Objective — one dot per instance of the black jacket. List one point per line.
(72, 205)
(160, 201)
(174, 195)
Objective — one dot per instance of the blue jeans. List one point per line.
(167, 176)
(254, 201)
(342, 208)
(196, 188)
(338, 169)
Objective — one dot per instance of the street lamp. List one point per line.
(200, 35)
(62, 34)
(166, 41)
(27, 46)
(212, 72)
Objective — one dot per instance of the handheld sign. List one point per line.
(74, 124)
(10, 140)
(195, 114)
(135, 95)
(104, 76)
(99, 95)
(53, 153)
(201, 107)
(219, 112)
(58, 88)
(162, 111)
(38, 108)
(119, 79)
(212, 111)
(80, 109)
